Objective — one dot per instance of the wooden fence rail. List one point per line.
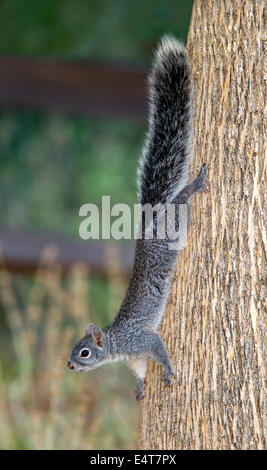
(74, 86)
(24, 252)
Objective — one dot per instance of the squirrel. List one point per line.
(162, 179)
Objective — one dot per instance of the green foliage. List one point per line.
(50, 166)
(102, 29)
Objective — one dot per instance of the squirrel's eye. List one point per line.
(85, 353)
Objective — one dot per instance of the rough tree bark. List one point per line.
(214, 324)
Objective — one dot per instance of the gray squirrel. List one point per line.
(162, 179)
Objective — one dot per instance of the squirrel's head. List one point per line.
(89, 352)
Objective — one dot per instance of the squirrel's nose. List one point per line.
(70, 365)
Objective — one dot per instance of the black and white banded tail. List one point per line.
(164, 167)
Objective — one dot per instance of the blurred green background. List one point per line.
(103, 29)
(51, 164)
(39, 150)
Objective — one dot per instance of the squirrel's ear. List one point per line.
(89, 328)
(97, 336)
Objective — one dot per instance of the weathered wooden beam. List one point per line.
(73, 86)
(24, 251)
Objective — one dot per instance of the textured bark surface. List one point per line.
(214, 324)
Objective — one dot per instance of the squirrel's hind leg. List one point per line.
(200, 183)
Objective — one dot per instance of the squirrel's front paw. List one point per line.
(167, 377)
(139, 391)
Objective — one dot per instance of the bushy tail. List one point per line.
(164, 167)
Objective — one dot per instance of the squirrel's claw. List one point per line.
(200, 183)
(139, 395)
(139, 391)
(167, 377)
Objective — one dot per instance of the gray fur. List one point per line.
(164, 165)
(163, 178)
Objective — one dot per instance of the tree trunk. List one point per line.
(214, 325)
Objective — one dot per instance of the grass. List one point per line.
(43, 404)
